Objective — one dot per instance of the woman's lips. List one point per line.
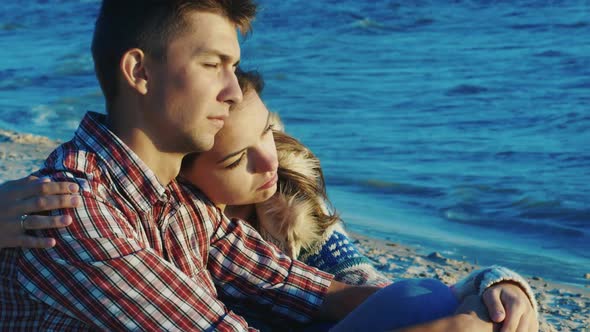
(270, 182)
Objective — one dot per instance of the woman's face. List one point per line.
(241, 168)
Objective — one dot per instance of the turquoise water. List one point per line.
(461, 127)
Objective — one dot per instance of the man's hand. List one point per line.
(508, 304)
(32, 195)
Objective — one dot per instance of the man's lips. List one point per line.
(271, 182)
(218, 120)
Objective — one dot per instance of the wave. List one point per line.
(489, 206)
(550, 54)
(11, 27)
(387, 188)
(531, 224)
(466, 89)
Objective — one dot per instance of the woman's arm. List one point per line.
(25, 196)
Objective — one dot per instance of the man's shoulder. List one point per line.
(73, 162)
(189, 192)
(193, 199)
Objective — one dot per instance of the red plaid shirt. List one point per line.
(140, 255)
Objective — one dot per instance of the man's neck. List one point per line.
(165, 165)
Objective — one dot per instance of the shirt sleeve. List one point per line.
(247, 269)
(101, 274)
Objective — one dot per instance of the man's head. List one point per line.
(150, 25)
(167, 67)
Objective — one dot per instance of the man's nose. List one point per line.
(231, 93)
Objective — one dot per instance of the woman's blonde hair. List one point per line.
(298, 216)
(300, 174)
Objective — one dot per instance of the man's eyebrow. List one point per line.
(217, 53)
(233, 154)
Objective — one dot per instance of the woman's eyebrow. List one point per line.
(233, 154)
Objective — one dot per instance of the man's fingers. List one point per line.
(496, 310)
(44, 222)
(51, 202)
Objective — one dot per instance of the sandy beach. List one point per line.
(562, 307)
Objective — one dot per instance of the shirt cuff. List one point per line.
(307, 287)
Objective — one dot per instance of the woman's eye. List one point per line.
(235, 163)
(269, 129)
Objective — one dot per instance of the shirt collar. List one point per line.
(129, 172)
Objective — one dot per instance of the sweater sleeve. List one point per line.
(339, 256)
(479, 280)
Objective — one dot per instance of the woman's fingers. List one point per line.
(44, 222)
(47, 187)
(14, 235)
(32, 187)
(49, 202)
(27, 241)
(496, 310)
(21, 199)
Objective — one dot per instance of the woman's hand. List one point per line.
(475, 317)
(508, 304)
(22, 197)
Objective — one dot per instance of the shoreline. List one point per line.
(563, 307)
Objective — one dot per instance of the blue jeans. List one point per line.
(404, 303)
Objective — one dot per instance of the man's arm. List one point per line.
(101, 274)
(252, 273)
(341, 299)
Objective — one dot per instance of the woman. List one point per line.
(252, 157)
(257, 173)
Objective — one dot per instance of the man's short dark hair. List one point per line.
(150, 25)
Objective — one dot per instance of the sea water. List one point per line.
(461, 127)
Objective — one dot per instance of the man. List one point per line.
(142, 252)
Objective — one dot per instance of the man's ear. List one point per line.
(133, 68)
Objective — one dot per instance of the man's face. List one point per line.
(189, 94)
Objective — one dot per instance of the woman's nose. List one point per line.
(267, 161)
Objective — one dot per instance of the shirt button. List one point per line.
(165, 197)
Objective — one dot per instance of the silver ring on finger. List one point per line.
(23, 218)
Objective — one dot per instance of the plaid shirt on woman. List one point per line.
(140, 255)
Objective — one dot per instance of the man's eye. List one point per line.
(212, 65)
(235, 163)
